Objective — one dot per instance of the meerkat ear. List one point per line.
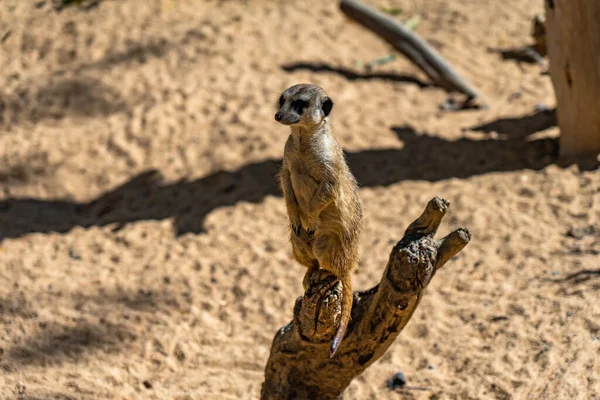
(327, 106)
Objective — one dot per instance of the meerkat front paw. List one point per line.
(312, 226)
(296, 225)
(297, 229)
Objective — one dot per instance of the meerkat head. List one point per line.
(303, 104)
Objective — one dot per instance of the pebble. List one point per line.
(397, 381)
(541, 107)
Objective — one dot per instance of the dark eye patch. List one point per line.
(281, 101)
(327, 106)
(299, 105)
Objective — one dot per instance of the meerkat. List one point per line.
(321, 194)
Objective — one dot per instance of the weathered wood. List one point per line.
(573, 41)
(412, 46)
(299, 366)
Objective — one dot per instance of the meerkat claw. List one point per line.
(296, 230)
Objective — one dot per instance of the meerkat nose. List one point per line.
(278, 116)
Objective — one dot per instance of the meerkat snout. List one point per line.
(279, 117)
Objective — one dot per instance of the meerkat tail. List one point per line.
(345, 317)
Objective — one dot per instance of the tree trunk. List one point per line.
(573, 40)
(299, 366)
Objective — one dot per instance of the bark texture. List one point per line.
(299, 366)
(573, 40)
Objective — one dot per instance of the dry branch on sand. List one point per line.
(412, 46)
(299, 366)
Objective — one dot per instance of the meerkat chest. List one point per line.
(309, 164)
(305, 181)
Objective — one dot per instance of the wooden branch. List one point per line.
(411, 45)
(299, 366)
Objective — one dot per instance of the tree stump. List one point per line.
(573, 41)
(299, 366)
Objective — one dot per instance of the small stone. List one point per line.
(539, 107)
(20, 388)
(147, 384)
(575, 233)
(397, 381)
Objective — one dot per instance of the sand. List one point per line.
(143, 237)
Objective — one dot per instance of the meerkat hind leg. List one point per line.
(333, 258)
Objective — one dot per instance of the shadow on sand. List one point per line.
(351, 75)
(147, 197)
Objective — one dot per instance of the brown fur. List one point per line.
(321, 194)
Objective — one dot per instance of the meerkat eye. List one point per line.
(281, 101)
(299, 105)
(327, 106)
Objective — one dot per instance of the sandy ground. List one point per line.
(143, 251)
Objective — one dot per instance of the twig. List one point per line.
(5, 36)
